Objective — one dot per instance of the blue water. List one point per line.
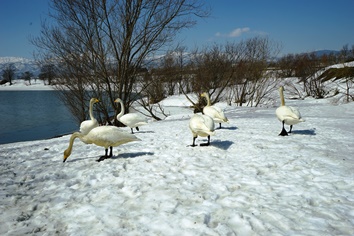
(33, 115)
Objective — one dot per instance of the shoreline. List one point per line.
(21, 85)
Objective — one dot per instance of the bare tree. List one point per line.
(213, 71)
(352, 52)
(306, 67)
(251, 58)
(8, 73)
(101, 45)
(168, 78)
(26, 76)
(286, 65)
(168, 70)
(345, 53)
(47, 73)
(344, 78)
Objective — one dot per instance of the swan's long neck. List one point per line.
(208, 99)
(121, 113)
(67, 152)
(281, 92)
(91, 109)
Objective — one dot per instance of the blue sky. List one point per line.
(299, 26)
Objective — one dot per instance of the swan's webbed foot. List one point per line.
(283, 132)
(193, 144)
(207, 143)
(106, 156)
(102, 158)
(204, 144)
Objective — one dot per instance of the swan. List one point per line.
(88, 125)
(132, 120)
(287, 114)
(213, 111)
(103, 136)
(201, 125)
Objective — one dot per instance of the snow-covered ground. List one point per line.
(250, 181)
(20, 85)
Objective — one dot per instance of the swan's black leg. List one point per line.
(219, 125)
(106, 155)
(291, 127)
(137, 128)
(283, 131)
(207, 143)
(193, 145)
(132, 130)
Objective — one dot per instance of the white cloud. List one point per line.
(238, 32)
(234, 33)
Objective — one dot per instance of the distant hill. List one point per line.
(24, 64)
(320, 53)
(21, 64)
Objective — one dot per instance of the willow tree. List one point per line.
(101, 45)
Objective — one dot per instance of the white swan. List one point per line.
(287, 114)
(201, 125)
(88, 125)
(103, 136)
(132, 120)
(213, 111)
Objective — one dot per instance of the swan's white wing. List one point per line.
(290, 115)
(202, 125)
(295, 112)
(216, 113)
(106, 136)
(87, 125)
(133, 120)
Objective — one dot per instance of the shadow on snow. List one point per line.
(119, 156)
(132, 155)
(227, 128)
(305, 132)
(221, 144)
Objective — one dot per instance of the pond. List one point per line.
(33, 115)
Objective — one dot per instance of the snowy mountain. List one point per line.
(320, 53)
(25, 64)
(21, 64)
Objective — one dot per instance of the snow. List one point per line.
(341, 65)
(250, 181)
(21, 85)
(21, 64)
(13, 60)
